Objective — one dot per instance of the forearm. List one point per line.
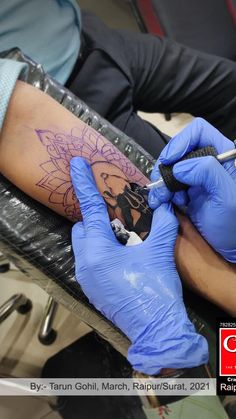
(203, 270)
(38, 139)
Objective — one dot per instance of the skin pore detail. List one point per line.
(116, 177)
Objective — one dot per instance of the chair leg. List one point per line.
(17, 302)
(47, 335)
(4, 264)
(167, 116)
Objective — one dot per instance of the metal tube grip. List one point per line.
(167, 171)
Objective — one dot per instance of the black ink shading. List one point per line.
(61, 147)
(130, 200)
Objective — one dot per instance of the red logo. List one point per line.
(227, 355)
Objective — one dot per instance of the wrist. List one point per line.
(173, 346)
(181, 354)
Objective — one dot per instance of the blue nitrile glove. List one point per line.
(137, 287)
(211, 199)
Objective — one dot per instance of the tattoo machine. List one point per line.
(167, 178)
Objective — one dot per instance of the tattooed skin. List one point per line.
(112, 173)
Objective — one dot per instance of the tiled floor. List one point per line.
(21, 354)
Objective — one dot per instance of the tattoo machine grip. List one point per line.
(167, 171)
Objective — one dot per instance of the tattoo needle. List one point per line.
(167, 178)
(157, 184)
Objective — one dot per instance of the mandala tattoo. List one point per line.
(114, 168)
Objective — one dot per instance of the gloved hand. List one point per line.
(211, 198)
(136, 287)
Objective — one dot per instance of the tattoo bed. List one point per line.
(38, 241)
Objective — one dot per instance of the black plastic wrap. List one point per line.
(36, 239)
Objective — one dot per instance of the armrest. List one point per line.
(36, 239)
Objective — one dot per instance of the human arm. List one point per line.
(22, 155)
(203, 270)
(38, 139)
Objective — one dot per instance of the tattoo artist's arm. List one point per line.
(37, 141)
(203, 270)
